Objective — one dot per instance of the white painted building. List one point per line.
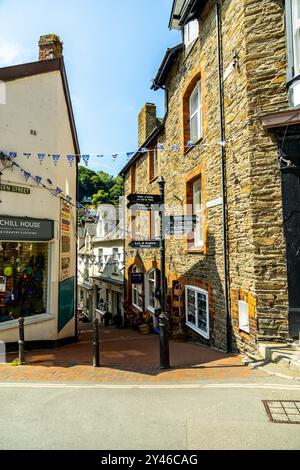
(37, 228)
(101, 268)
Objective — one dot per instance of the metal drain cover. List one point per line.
(283, 411)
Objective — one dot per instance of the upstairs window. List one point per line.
(191, 32)
(296, 35)
(196, 114)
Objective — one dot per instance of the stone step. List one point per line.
(286, 359)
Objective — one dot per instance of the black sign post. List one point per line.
(146, 202)
(163, 319)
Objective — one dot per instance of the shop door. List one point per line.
(291, 214)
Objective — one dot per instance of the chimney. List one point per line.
(51, 47)
(147, 122)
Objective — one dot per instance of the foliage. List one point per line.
(100, 186)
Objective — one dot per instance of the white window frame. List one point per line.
(191, 32)
(198, 212)
(197, 113)
(296, 35)
(244, 316)
(205, 334)
(153, 281)
(136, 289)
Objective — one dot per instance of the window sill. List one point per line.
(10, 325)
(193, 251)
(187, 150)
(138, 309)
(200, 332)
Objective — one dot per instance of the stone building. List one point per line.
(228, 151)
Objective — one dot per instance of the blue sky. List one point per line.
(112, 51)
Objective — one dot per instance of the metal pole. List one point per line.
(163, 320)
(96, 351)
(22, 360)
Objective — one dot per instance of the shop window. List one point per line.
(23, 280)
(137, 292)
(243, 316)
(197, 310)
(150, 290)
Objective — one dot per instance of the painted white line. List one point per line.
(151, 386)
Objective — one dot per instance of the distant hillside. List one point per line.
(100, 186)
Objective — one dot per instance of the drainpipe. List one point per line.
(223, 170)
(124, 254)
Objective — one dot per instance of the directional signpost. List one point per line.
(147, 202)
(145, 244)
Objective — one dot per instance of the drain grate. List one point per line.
(283, 411)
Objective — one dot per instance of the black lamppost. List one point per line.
(163, 320)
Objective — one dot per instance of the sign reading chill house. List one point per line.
(24, 228)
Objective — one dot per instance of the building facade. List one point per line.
(228, 151)
(101, 268)
(37, 220)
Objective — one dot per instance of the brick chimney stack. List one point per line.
(147, 121)
(51, 47)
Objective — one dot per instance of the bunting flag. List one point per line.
(58, 191)
(55, 158)
(71, 159)
(26, 175)
(86, 159)
(38, 179)
(41, 157)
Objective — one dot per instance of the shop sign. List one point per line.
(25, 228)
(14, 189)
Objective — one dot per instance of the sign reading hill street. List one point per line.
(144, 244)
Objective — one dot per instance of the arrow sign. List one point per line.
(142, 207)
(144, 244)
(145, 198)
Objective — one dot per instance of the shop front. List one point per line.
(29, 282)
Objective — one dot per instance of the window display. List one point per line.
(23, 279)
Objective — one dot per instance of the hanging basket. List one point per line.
(179, 290)
(178, 320)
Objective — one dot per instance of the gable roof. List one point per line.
(30, 69)
(182, 12)
(165, 66)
